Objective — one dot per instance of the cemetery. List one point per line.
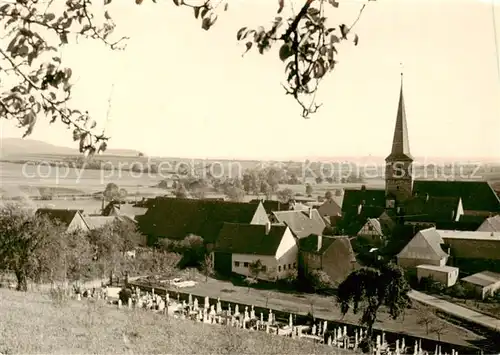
(205, 310)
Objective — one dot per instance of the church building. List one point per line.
(442, 203)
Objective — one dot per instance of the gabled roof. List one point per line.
(95, 222)
(299, 222)
(309, 244)
(400, 142)
(476, 195)
(491, 224)
(371, 199)
(469, 235)
(238, 238)
(272, 205)
(63, 216)
(422, 243)
(375, 223)
(124, 209)
(330, 206)
(484, 278)
(431, 209)
(176, 218)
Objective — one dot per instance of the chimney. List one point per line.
(320, 242)
(363, 187)
(268, 227)
(310, 212)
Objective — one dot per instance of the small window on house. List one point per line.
(245, 264)
(294, 265)
(237, 263)
(284, 267)
(289, 266)
(279, 268)
(370, 228)
(264, 268)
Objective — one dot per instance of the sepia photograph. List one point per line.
(250, 177)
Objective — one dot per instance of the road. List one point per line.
(456, 310)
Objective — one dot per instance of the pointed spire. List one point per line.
(400, 142)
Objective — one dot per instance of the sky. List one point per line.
(181, 91)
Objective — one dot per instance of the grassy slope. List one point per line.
(32, 323)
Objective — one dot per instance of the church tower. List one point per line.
(398, 165)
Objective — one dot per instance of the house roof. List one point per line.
(373, 201)
(484, 278)
(238, 238)
(421, 243)
(310, 243)
(299, 222)
(63, 216)
(476, 195)
(176, 218)
(491, 224)
(95, 222)
(341, 243)
(375, 223)
(272, 205)
(444, 268)
(468, 235)
(124, 209)
(329, 208)
(431, 209)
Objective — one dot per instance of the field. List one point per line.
(33, 323)
(325, 308)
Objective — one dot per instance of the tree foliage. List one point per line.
(368, 289)
(24, 238)
(285, 195)
(39, 85)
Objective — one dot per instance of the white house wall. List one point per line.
(245, 260)
(77, 223)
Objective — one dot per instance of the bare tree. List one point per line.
(439, 329)
(426, 318)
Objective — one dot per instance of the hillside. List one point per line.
(19, 146)
(33, 323)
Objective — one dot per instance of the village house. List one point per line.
(442, 203)
(372, 232)
(175, 218)
(445, 275)
(425, 248)
(71, 220)
(329, 209)
(491, 224)
(484, 284)
(301, 223)
(239, 245)
(333, 255)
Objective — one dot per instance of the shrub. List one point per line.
(59, 296)
(125, 294)
(458, 291)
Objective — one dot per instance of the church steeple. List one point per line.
(398, 169)
(400, 141)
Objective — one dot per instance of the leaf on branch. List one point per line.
(206, 23)
(249, 46)
(285, 51)
(334, 3)
(196, 12)
(102, 147)
(176, 2)
(226, 5)
(356, 40)
(281, 5)
(344, 30)
(241, 31)
(49, 16)
(138, 2)
(106, 15)
(204, 12)
(107, 2)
